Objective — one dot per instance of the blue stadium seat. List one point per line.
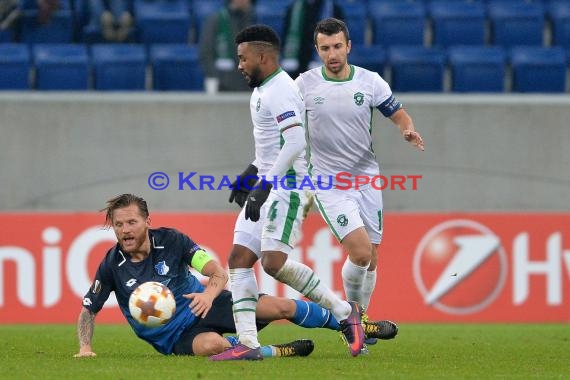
(477, 68)
(272, 13)
(61, 66)
(89, 31)
(175, 67)
(201, 9)
(538, 69)
(162, 21)
(91, 34)
(118, 67)
(372, 57)
(15, 64)
(80, 11)
(559, 14)
(516, 23)
(58, 30)
(457, 23)
(6, 35)
(33, 4)
(81, 23)
(397, 23)
(416, 69)
(355, 17)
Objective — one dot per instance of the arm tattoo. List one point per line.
(85, 327)
(217, 281)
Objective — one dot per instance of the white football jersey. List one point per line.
(275, 105)
(339, 120)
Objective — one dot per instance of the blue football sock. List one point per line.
(233, 340)
(311, 315)
(267, 351)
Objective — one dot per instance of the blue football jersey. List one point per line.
(168, 263)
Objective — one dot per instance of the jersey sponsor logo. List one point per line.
(460, 267)
(161, 268)
(285, 115)
(359, 98)
(96, 288)
(319, 100)
(131, 282)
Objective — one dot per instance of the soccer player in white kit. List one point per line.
(339, 100)
(268, 226)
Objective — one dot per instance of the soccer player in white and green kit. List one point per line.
(339, 100)
(269, 224)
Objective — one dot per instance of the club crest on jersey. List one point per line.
(359, 98)
(342, 220)
(285, 115)
(161, 268)
(258, 105)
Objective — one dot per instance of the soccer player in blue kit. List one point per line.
(203, 313)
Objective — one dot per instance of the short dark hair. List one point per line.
(124, 200)
(330, 26)
(259, 33)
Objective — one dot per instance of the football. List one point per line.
(152, 304)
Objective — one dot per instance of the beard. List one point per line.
(337, 67)
(134, 245)
(254, 78)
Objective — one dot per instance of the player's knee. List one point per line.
(241, 258)
(234, 260)
(286, 309)
(270, 266)
(361, 257)
(209, 347)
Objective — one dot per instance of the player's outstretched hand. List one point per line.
(85, 354)
(415, 139)
(242, 185)
(201, 303)
(238, 194)
(256, 199)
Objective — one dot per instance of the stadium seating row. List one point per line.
(440, 23)
(104, 67)
(175, 67)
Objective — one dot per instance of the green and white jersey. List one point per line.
(339, 120)
(275, 105)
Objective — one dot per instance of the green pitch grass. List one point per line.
(435, 351)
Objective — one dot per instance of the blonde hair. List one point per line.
(121, 201)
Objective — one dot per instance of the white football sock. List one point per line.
(301, 278)
(353, 279)
(368, 287)
(245, 294)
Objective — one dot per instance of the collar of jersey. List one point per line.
(279, 69)
(338, 80)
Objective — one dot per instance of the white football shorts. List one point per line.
(279, 226)
(346, 210)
